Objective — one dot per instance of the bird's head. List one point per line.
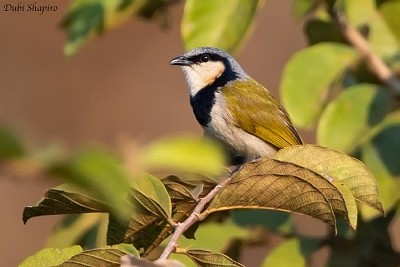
(208, 66)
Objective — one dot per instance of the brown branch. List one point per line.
(375, 63)
(193, 218)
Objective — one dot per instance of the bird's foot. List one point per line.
(256, 159)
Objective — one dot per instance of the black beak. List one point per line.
(180, 61)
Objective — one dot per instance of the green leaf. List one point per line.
(224, 24)
(102, 174)
(142, 230)
(359, 12)
(146, 229)
(336, 166)
(390, 11)
(351, 116)
(74, 229)
(362, 13)
(144, 226)
(302, 7)
(106, 256)
(180, 190)
(205, 258)
(286, 254)
(64, 200)
(185, 154)
(89, 18)
(126, 248)
(381, 155)
(82, 21)
(389, 186)
(351, 216)
(383, 42)
(50, 257)
(10, 145)
(308, 76)
(151, 193)
(275, 185)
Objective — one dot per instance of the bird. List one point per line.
(233, 108)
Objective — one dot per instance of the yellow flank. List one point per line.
(257, 112)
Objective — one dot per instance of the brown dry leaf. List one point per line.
(64, 199)
(146, 229)
(336, 166)
(107, 256)
(275, 185)
(205, 258)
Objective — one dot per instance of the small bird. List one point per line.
(234, 108)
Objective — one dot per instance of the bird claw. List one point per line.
(256, 159)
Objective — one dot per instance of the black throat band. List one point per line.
(203, 101)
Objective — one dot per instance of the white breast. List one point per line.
(243, 143)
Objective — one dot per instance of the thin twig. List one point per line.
(193, 218)
(376, 64)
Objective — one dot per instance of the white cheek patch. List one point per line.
(200, 75)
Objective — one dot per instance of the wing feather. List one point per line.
(254, 110)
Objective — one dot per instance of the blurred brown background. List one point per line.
(118, 84)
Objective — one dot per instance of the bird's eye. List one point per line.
(205, 58)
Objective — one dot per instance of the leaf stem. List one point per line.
(376, 64)
(172, 223)
(193, 218)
